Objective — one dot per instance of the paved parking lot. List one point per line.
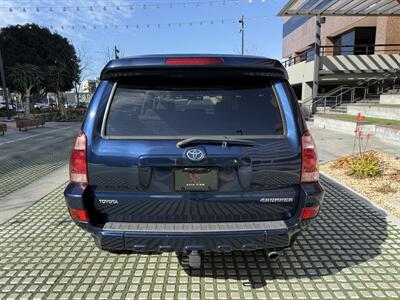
(351, 251)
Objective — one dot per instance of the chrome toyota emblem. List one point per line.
(195, 154)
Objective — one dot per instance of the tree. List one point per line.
(57, 82)
(34, 58)
(84, 70)
(24, 78)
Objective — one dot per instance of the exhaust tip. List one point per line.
(273, 256)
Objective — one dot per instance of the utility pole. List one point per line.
(241, 21)
(3, 83)
(116, 52)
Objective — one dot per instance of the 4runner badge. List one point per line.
(276, 200)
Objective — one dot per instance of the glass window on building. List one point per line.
(365, 40)
(358, 41)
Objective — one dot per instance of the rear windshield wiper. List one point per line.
(224, 142)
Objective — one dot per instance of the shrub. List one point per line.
(365, 165)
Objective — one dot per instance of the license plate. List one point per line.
(196, 179)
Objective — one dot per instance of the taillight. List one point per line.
(194, 61)
(309, 212)
(79, 214)
(78, 163)
(309, 161)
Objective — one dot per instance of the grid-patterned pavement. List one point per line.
(24, 161)
(349, 252)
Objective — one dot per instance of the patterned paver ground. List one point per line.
(24, 161)
(349, 252)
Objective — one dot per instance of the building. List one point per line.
(72, 98)
(360, 56)
(89, 86)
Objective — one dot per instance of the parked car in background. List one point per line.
(193, 153)
(41, 105)
(3, 106)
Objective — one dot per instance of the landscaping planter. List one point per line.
(375, 111)
(387, 133)
(27, 123)
(340, 125)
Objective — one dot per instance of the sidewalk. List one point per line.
(32, 164)
(332, 144)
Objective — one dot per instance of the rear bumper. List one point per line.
(183, 237)
(218, 237)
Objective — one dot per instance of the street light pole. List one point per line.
(241, 21)
(3, 83)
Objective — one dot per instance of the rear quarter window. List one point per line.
(192, 110)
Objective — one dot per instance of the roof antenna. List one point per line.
(116, 52)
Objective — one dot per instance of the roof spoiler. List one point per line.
(193, 66)
(194, 72)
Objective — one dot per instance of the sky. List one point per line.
(153, 26)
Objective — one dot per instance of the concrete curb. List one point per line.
(382, 211)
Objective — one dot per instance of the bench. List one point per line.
(26, 123)
(3, 128)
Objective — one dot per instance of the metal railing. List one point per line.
(350, 94)
(360, 49)
(394, 89)
(357, 49)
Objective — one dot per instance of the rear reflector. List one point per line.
(194, 61)
(78, 164)
(79, 214)
(309, 159)
(309, 212)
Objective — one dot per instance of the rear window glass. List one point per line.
(193, 111)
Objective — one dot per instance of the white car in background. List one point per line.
(3, 105)
(41, 105)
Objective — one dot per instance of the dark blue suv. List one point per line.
(193, 153)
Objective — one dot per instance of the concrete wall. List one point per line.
(389, 99)
(339, 125)
(301, 72)
(391, 113)
(387, 134)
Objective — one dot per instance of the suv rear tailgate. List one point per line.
(132, 177)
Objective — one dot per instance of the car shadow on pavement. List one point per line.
(347, 232)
